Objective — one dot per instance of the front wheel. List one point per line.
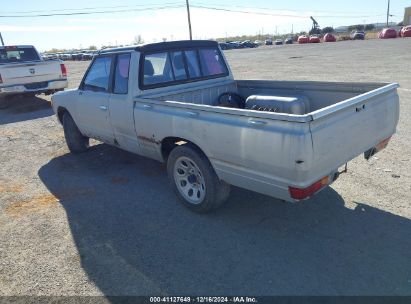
(194, 181)
(76, 142)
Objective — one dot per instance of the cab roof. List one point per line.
(163, 46)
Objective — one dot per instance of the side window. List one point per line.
(97, 78)
(211, 62)
(193, 64)
(121, 74)
(157, 69)
(178, 65)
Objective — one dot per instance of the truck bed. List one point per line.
(265, 151)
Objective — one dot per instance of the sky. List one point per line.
(119, 22)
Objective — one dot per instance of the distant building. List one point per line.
(407, 16)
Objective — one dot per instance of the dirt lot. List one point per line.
(106, 222)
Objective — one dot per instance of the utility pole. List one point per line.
(189, 20)
(388, 11)
(1, 38)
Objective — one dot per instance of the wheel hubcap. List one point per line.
(189, 180)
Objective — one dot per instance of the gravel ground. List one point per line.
(107, 223)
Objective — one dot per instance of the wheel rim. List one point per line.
(189, 180)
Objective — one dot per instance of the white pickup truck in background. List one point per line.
(178, 102)
(23, 71)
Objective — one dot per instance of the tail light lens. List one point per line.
(302, 193)
(63, 70)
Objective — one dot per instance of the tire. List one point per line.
(189, 171)
(76, 142)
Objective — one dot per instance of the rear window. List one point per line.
(181, 66)
(18, 55)
(157, 69)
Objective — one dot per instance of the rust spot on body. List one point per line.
(149, 139)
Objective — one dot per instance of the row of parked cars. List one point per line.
(228, 45)
(77, 55)
(392, 33)
(302, 39)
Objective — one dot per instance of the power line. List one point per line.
(91, 13)
(89, 8)
(171, 6)
(277, 14)
(272, 9)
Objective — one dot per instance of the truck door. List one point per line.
(121, 104)
(93, 101)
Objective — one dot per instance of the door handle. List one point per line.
(257, 123)
(146, 106)
(192, 114)
(103, 108)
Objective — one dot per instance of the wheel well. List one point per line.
(169, 143)
(60, 113)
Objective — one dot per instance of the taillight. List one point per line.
(63, 70)
(302, 193)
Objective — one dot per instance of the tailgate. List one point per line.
(29, 72)
(347, 129)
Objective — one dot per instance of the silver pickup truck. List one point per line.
(177, 102)
(24, 72)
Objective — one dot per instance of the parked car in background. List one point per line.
(268, 42)
(87, 55)
(258, 42)
(223, 45)
(63, 56)
(357, 35)
(248, 44)
(302, 39)
(51, 56)
(289, 40)
(77, 56)
(329, 38)
(24, 72)
(286, 139)
(233, 44)
(278, 42)
(314, 39)
(405, 31)
(387, 33)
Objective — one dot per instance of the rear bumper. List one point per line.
(37, 87)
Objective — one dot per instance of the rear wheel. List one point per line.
(76, 142)
(194, 181)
